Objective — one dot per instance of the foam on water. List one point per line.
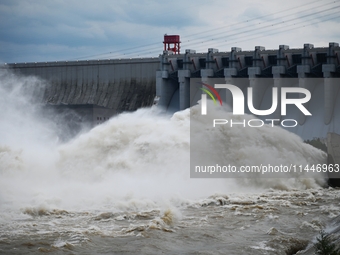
(133, 161)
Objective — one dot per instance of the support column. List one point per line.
(254, 72)
(164, 88)
(205, 74)
(281, 57)
(330, 86)
(233, 58)
(184, 89)
(303, 71)
(164, 91)
(230, 74)
(333, 150)
(278, 72)
(303, 83)
(210, 62)
(331, 90)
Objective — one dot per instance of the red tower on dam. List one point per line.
(172, 42)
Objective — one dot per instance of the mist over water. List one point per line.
(134, 162)
(140, 155)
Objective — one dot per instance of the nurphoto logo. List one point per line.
(238, 99)
(239, 103)
(204, 97)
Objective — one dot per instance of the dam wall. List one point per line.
(99, 89)
(333, 150)
(96, 89)
(316, 69)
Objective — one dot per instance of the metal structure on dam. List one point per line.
(98, 89)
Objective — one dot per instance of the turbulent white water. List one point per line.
(135, 162)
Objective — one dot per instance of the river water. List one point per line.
(124, 187)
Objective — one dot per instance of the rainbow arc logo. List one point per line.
(211, 91)
(214, 91)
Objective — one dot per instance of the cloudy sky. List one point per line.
(55, 30)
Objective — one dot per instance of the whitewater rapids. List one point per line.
(126, 184)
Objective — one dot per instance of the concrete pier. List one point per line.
(333, 150)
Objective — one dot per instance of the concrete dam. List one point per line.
(95, 90)
(99, 89)
(316, 69)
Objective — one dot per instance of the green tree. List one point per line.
(325, 245)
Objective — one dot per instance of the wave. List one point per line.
(134, 160)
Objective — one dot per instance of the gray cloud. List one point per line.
(62, 30)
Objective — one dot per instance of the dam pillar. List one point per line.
(279, 71)
(233, 59)
(163, 91)
(254, 72)
(333, 151)
(165, 87)
(210, 60)
(304, 71)
(184, 88)
(230, 74)
(208, 72)
(184, 79)
(330, 86)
